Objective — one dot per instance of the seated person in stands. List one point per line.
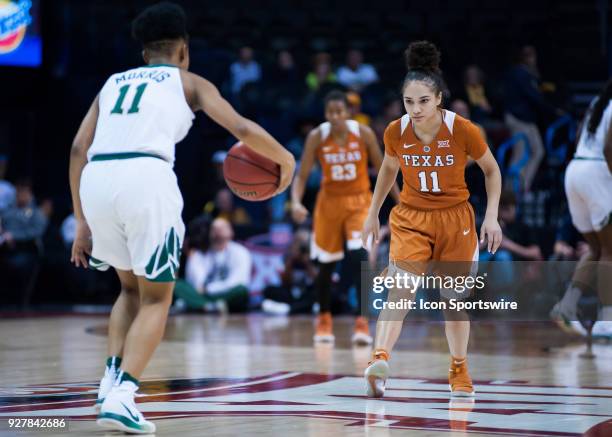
(225, 208)
(295, 294)
(518, 243)
(22, 226)
(475, 92)
(356, 74)
(321, 72)
(217, 279)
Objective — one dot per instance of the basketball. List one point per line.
(250, 175)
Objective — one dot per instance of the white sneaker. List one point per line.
(119, 411)
(361, 339)
(565, 317)
(106, 383)
(602, 329)
(277, 308)
(376, 377)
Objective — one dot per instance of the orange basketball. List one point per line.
(250, 175)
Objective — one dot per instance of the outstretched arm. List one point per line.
(298, 211)
(78, 158)
(203, 95)
(376, 156)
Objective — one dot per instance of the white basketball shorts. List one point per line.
(588, 186)
(133, 208)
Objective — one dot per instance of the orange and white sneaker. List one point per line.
(323, 330)
(459, 379)
(361, 332)
(376, 374)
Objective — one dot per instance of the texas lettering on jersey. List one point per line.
(342, 157)
(426, 160)
(433, 174)
(344, 166)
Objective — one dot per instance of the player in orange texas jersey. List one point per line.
(342, 147)
(434, 221)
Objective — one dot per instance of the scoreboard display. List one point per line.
(20, 36)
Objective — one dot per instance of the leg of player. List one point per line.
(361, 333)
(118, 410)
(122, 315)
(324, 329)
(388, 330)
(603, 327)
(564, 313)
(457, 329)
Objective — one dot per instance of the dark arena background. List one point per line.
(241, 360)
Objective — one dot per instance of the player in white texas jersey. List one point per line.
(126, 199)
(588, 186)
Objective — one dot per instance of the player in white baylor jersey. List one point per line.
(588, 186)
(126, 198)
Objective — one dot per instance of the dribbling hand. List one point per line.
(81, 244)
(287, 168)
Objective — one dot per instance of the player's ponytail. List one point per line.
(423, 64)
(423, 56)
(599, 107)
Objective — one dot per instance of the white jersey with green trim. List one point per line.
(142, 110)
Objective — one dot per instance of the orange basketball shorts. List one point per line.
(338, 219)
(447, 236)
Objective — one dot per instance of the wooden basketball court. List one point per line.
(259, 375)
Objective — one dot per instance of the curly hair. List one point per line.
(160, 25)
(423, 64)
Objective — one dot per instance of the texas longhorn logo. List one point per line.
(14, 19)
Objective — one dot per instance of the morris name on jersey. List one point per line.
(156, 75)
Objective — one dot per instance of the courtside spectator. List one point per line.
(524, 102)
(23, 225)
(217, 279)
(244, 70)
(355, 74)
